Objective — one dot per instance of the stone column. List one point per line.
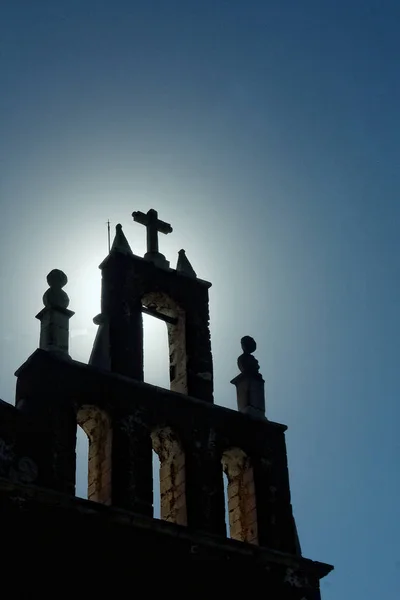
(204, 484)
(54, 317)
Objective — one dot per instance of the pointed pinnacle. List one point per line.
(120, 243)
(183, 266)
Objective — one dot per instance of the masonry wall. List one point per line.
(118, 549)
(25, 448)
(136, 410)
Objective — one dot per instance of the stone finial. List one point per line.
(249, 384)
(246, 362)
(183, 266)
(55, 297)
(54, 317)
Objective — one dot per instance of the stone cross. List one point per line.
(153, 226)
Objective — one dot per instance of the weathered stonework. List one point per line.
(205, 432)
(242, 503)
(172, 475)
(97, 426)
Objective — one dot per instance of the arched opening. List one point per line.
(241, 496)
(155, 351)
(226, 505)
(156, 486)
(82, 464)
(97, 426)
(171, 476)
(175, 319)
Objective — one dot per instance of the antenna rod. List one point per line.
(108, 232)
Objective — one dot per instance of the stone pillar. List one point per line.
(54, 317)
(204, 484)
(132, 473)
(119, 344)
(249, 383)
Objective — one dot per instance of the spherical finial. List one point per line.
(248, 344)
(55, 297)
(246, 362)
(57, 279)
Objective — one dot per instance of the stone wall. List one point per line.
(141, 417)
(52, 538)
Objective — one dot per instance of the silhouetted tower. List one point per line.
(125, 420)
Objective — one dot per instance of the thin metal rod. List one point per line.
(108, 233)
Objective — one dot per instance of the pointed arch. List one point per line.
(241, 496)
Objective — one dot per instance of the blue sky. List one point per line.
(267, 134)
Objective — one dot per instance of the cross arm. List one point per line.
(164, 227)
(140, 217)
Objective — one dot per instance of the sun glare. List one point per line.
(156, 352)
(84, 291)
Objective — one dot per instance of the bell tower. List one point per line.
(131, 286)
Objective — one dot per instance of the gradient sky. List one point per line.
(267, 133)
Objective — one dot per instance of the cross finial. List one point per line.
(153, 226)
